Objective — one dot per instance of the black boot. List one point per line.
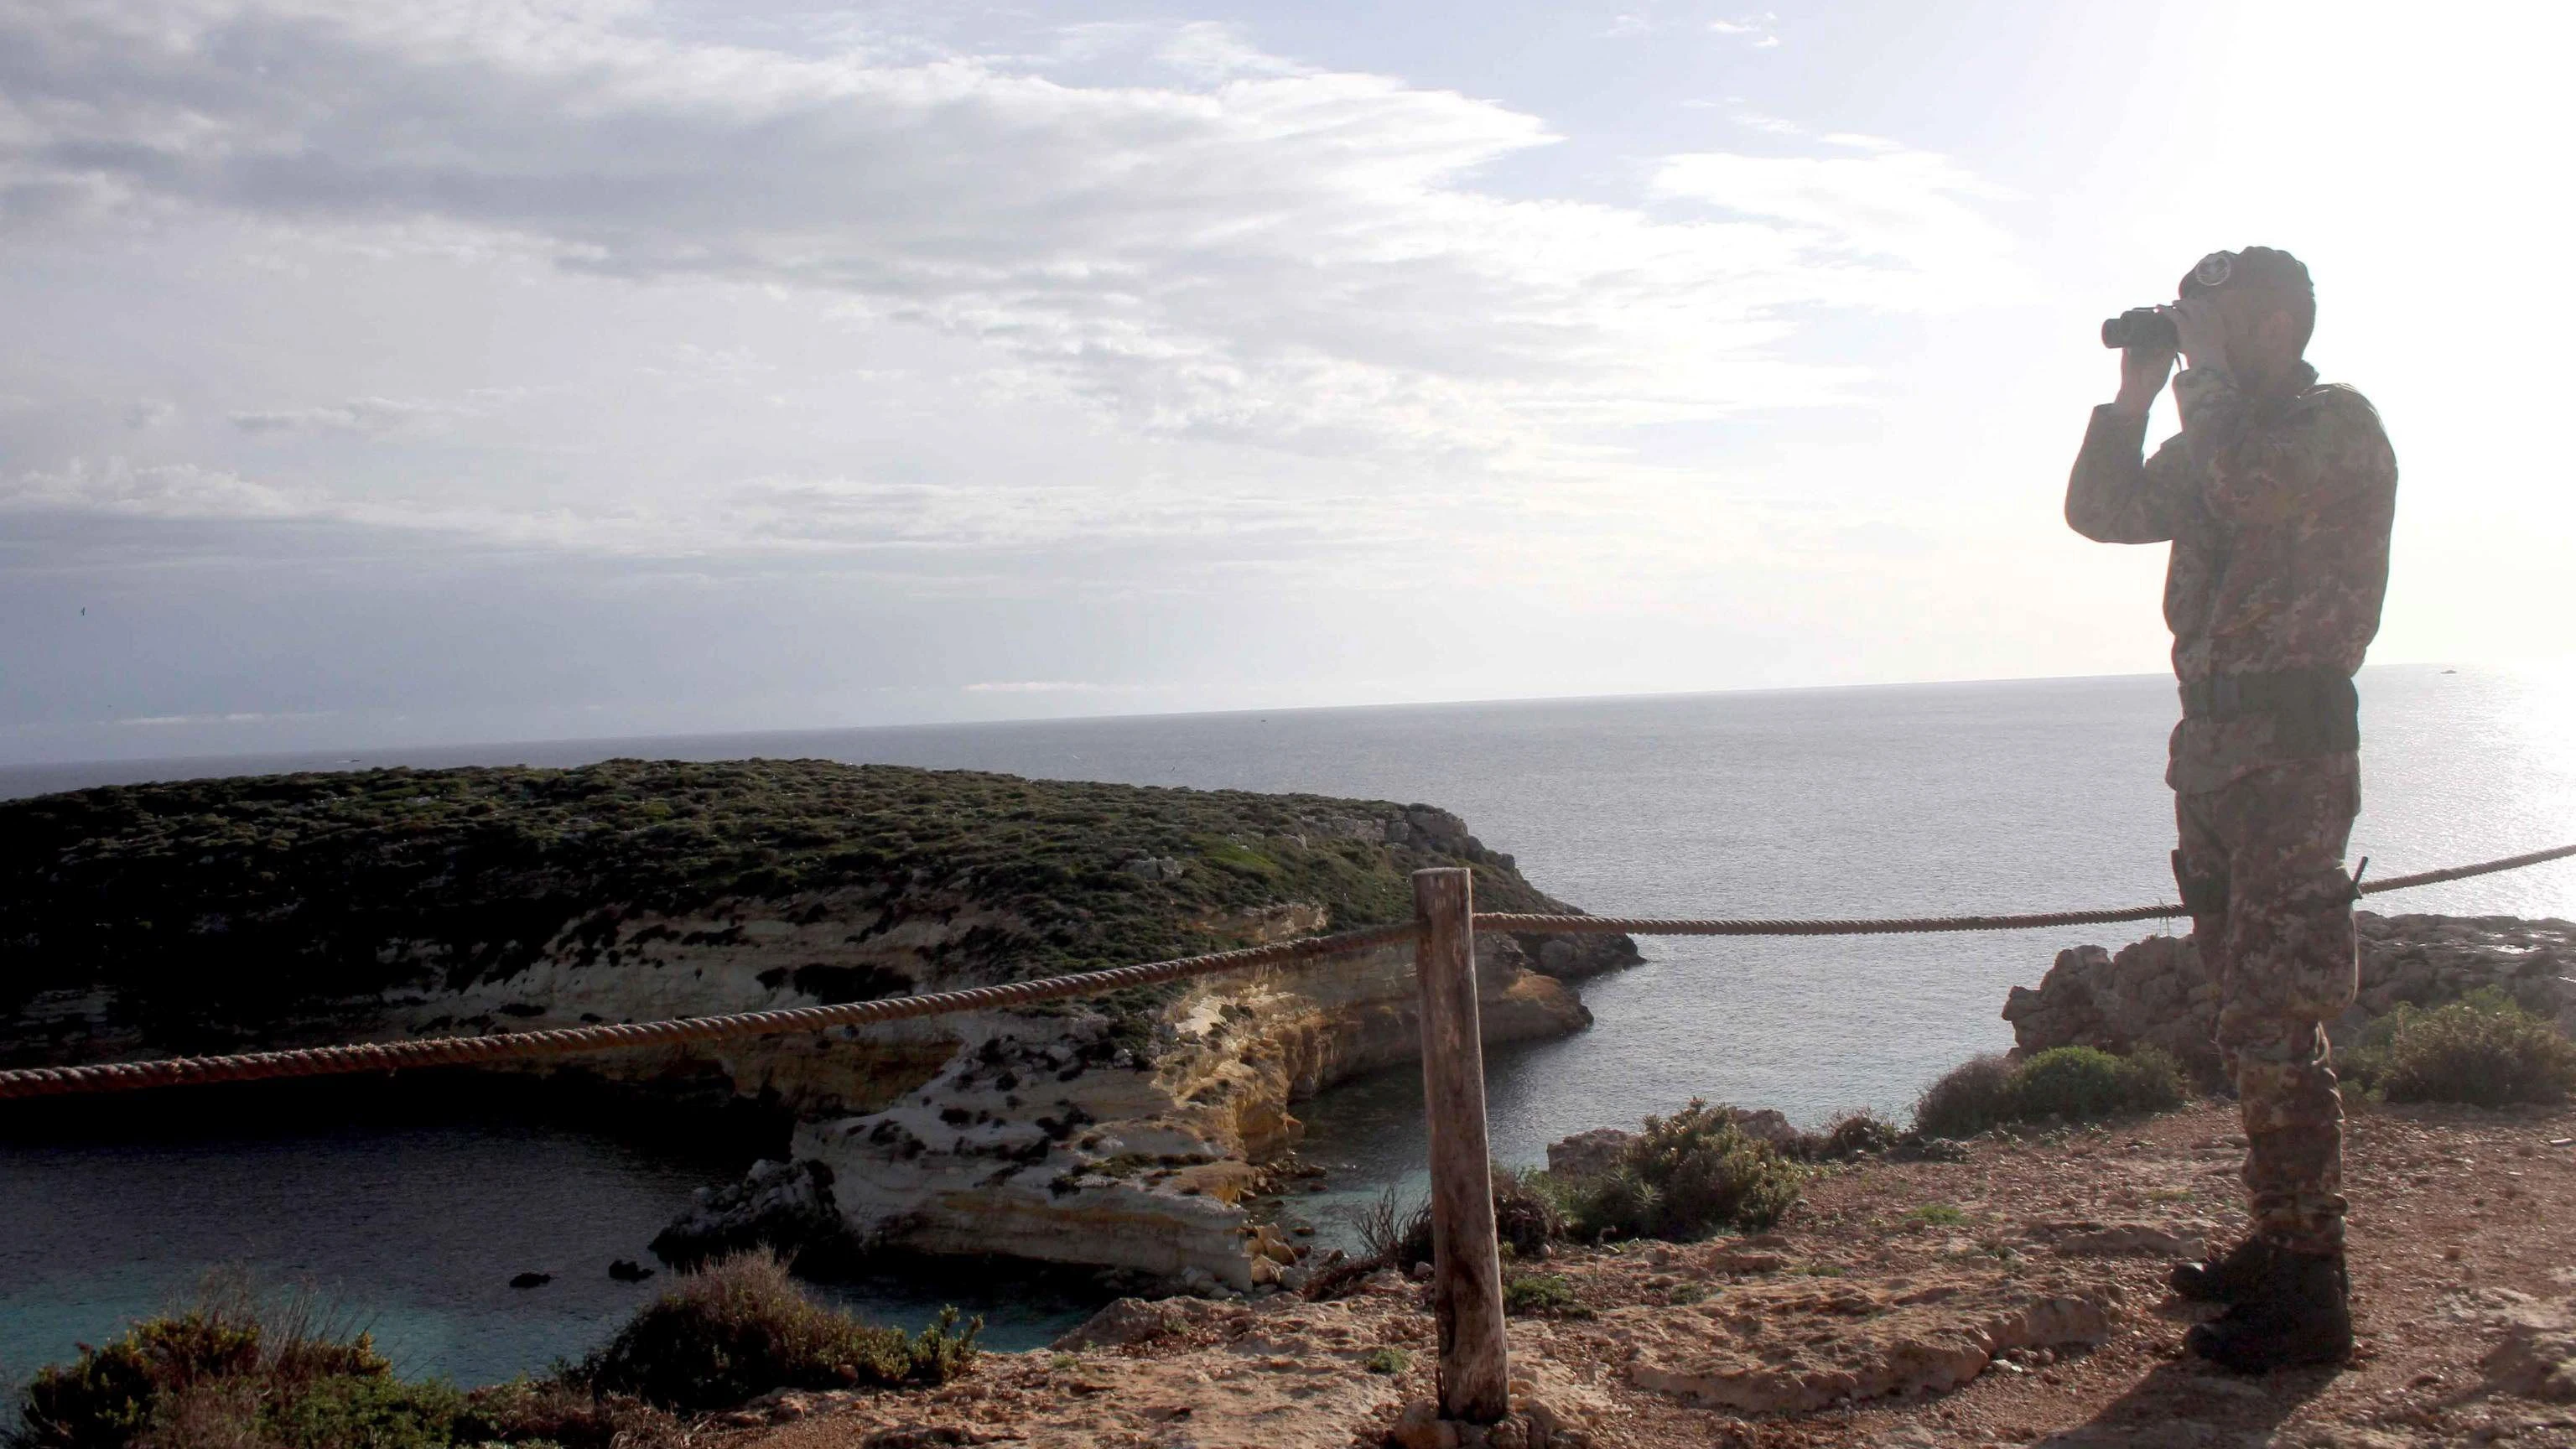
(2296, 1314)
(2225, 1279)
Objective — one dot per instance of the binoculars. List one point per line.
(2147, 327)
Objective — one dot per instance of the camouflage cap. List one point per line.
(2265, 268)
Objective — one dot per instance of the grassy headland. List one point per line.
(215, 911)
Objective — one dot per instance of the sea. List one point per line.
(2014, 796)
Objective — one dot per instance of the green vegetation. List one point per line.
(247, 1372)
(742, 1327)
(2482, 1049)
(220, 911)
(1389, 1360)
(1855, 1134)
(1540, 1293)
(2075, 1084)
(1938, 1214)
(1685, 1176)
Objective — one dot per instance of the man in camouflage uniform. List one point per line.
(2277, 497)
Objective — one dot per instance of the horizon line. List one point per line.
(359, 753)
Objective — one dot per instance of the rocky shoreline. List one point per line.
(2156, 992)
(1123, 1134)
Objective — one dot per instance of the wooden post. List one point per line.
(1467, 1269)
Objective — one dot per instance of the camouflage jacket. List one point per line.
(2279, 516)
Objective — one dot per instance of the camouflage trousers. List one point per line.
(2261, 869)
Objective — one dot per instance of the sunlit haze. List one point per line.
(409, 373)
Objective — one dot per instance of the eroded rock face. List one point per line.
(1014, 1147)
(781, 1205)
(1800, 1346)
(1117, 1133)
(2158, 993)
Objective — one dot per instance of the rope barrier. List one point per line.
(448, 1051)
(2463, 872)
(505, 1046)
(1921, 925)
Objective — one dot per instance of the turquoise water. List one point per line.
(412, 1232)
(2033, 795)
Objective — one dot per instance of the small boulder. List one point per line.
(1129, 1320)
(1587, 1153)
(627, 1270)
(2537, 1358)
(532, 1280)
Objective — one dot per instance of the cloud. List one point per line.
(153, 721)
(1251, 252)
(368, 415)
(1757, 29)
(121, 488)
(1914, 216)
(1036, 686)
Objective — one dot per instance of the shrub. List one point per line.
(232, 1366)
(353, 1411)
(2082, 1084)
(1939, 1214)
(1856, 1134)
(2483, 1049)
(1539, 1293)
(742, 1327)
(1967, 1100)
(539, 1412)
(1389, 1360)
(1684, 1176)
(1526, 1220)
(2076, 1083)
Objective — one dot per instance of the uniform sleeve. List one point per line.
(2115, 497)
(2327, 450)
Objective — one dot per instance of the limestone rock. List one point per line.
(2156, 991)
(2117, 1240)
(1129, 1320)
(1767, 1124)
(779, 1204)
(2537, 1357)
(1586, 1153)
(1145, 1168)
(1796, 1346)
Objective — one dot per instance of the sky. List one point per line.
(411, 373)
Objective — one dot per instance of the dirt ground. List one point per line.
(2014, 1298)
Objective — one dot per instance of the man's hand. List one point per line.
(2143, 371)
(2204, 333)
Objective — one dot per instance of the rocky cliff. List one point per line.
(2158, 992)
(1120, 1132)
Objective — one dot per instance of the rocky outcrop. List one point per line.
(1588, 1154)
(2157, 992)
(1797, 1345)
(780, 1205)
(1015, 1147)
(1121, 1132)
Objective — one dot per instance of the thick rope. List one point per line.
(449, 1051)
(1881, 926)
(2463, 872)
(1919, 925)
(502, 1046)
